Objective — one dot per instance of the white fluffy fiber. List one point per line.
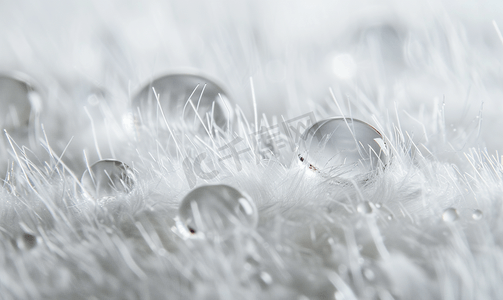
(427, 74)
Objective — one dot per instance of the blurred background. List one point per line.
(382, 59)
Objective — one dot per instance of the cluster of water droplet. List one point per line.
(339, 147)
(451, 215)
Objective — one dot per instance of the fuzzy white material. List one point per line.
(427, 75)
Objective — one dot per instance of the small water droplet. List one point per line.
(217, 210)
(26, 241)
(450, 215)
(108, 178)
(369, 274)
(477, 214)
(378, 205)
(364, 208)
(390, 217)
(266, 278)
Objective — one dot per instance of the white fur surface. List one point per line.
(427, 75)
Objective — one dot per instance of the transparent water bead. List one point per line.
(107, 178)
(15, 101)
(450, 215)
(217, 210)
(342, 147)
(174, 90)
(477, 214)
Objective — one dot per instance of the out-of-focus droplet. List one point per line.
(343, 147)
(174, 91)
(364, 208)
(385, 42)
(266, 278)
(26, 241)
(344, 66)
(19, 102)
(217, 210)
(15, 105)
(477, 214)
(339, 296)
(108, 178)
(369, 274)
(450, 215)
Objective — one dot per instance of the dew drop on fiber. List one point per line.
(217, 210)
(477, 214)
(450, 215)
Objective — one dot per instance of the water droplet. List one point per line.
(344, 66)
(450, 215)
(477, 214)
(266, 278)
(174, 91)
(369, 274)
(15, 96)
(364, 208)
(378, 205)
(217, 210)
(108, 178)
(340, 147)
(26, 241)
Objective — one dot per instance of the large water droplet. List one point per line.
(477, 214)
(217, 210)
(174, 90)
(342, 147)
(450, 215)
(108, 178)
